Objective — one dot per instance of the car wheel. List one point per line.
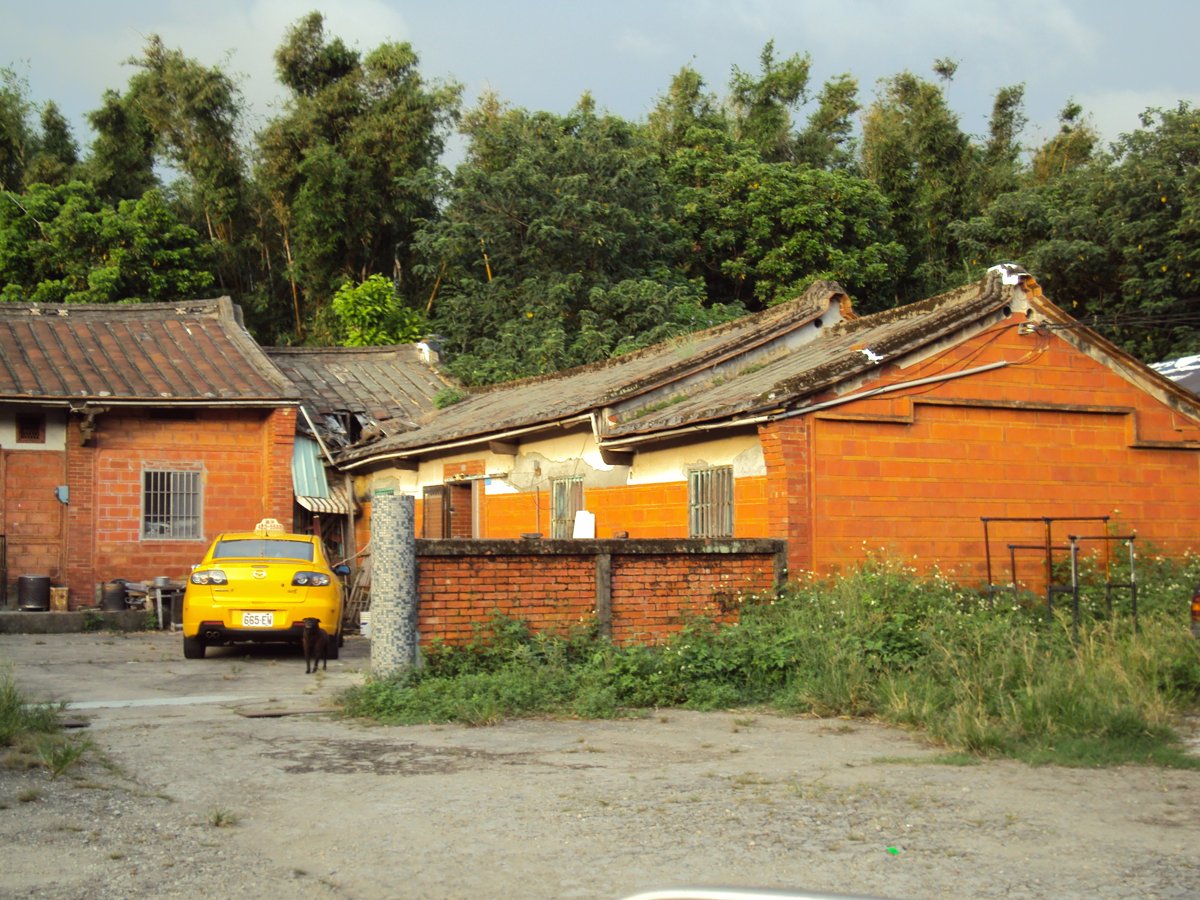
(193, 647)
(333, 645)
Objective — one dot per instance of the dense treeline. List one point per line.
(564, 239)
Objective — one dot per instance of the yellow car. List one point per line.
(260, 586)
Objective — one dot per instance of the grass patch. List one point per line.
(220, 817)
(981, 679)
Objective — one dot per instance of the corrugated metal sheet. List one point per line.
(308, 469)
(335, 504)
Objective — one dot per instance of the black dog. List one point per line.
(316, 645)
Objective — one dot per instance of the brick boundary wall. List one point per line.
(638, 591)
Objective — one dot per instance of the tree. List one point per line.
(64, 244)
(359, 134)
(54, 151)
(1072, 146)
(120, 163)
(544, 212)
(915, 152)
(762, 231)
(15, 132)
(1116, 239)
(762, 107)
(370, 314)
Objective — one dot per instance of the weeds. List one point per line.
(981, 678)
(19, 719)
(219, 817)
(58, 755)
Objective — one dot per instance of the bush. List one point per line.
(990, 678)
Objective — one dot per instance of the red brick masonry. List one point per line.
(637, 590)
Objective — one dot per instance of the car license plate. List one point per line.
(258, 620)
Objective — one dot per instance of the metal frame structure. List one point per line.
(1048, 547)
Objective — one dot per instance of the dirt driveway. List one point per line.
(202, 799)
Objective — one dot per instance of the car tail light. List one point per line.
(310, 579)
(208, 576)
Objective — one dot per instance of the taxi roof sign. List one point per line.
(266, 526)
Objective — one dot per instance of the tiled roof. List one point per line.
(189, 352)
(394, 385)
(553, 398)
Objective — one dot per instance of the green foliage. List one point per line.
(350, 169)
(881, 641)
(918, 156)
(59, 755)
(370, 314)
(448, 396)
(769, 229)
(1114, 239)
(566, 239)
(546, 213)
(15, 130)
(64, 244)
(19, 718)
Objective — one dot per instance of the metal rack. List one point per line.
(1048, 547)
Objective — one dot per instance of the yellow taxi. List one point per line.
(260, 585)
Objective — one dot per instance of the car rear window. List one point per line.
(263, 548)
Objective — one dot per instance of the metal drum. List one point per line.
(33, 593)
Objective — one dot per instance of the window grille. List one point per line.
(31, 429)
(710, 502)
(170, 505)
(566, 497)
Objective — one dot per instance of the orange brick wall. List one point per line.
(245, 456)
(642, 510)
(553, 586)
(912, 474)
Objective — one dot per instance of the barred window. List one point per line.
(566, 498)
(710, 502)
(170, 505)
(31, 428)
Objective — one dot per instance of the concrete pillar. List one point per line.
(394, 639)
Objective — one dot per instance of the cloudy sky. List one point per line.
(1114, 57)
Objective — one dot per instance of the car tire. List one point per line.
(333, 645)
(193, 647)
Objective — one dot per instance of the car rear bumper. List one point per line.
(215, 633)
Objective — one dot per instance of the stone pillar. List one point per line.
(394, 639)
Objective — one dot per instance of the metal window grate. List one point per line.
(170, 505)
(31, 429)
(710, 502)
(566, 499)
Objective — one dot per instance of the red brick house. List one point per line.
(129, 435)
(896, 432)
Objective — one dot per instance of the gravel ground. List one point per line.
(222, 778)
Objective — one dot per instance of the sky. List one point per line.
(1114, 57)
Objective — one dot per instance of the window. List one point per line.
(710, 502)
(566, 499)
(170, 505)
(31, 428)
